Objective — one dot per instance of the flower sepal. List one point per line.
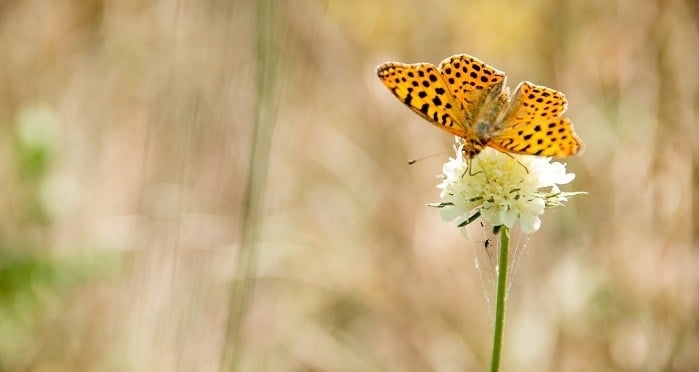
(440, 205)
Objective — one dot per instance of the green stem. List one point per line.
(500, 299)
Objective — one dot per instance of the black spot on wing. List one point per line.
(425, 108)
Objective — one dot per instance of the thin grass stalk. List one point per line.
(243, 286)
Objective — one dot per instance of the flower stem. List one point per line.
(500, 299)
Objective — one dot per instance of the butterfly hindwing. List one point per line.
(533, 124)
(473, 83)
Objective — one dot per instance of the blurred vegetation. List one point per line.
(164, 161)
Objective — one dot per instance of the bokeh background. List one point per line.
(223, 185)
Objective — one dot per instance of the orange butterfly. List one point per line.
(467, 98)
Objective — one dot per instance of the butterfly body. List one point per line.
(468, 98)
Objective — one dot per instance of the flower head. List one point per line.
(501, 188)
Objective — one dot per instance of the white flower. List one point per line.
(501, 188)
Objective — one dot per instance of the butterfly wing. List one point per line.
(474, 84)
(533, 124)
(422, 88)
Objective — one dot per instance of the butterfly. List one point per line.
(468, 98)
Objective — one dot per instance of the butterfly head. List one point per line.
(472, 147)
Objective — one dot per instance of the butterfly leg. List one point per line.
(470, 169)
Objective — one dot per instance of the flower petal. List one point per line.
(529, 223)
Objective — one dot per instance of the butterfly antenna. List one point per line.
(411, 162)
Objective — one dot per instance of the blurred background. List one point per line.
(205, 186)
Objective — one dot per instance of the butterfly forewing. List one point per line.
(421, 87)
